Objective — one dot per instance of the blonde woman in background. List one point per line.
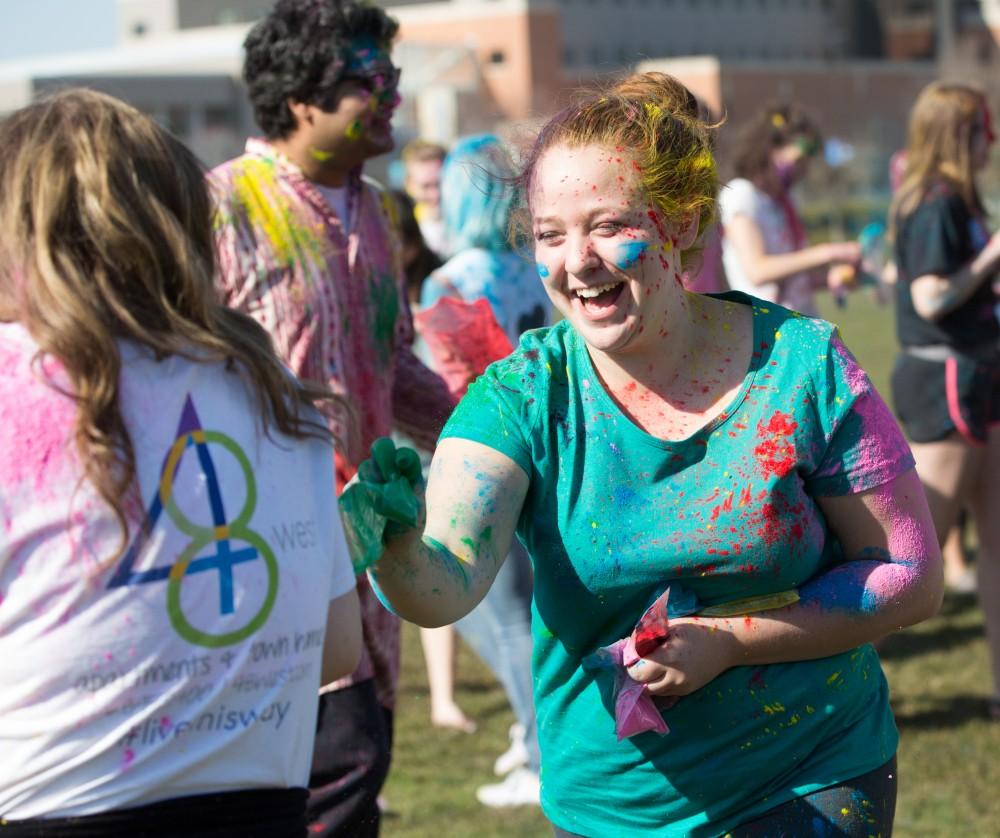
(946, 381)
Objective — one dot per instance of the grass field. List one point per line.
(949, 758)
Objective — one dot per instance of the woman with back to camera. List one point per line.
(721, 446)
(171, 558)
(764, 247)
(946, 381)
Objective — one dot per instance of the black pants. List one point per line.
(350, 763)
(256, 813)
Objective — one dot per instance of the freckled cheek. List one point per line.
(605, 250)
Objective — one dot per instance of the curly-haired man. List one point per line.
(306, 245)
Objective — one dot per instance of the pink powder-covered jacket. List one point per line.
(334, 302)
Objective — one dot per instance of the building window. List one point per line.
(219, 116)
(179, 120)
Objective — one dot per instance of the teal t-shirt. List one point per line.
(613, 515)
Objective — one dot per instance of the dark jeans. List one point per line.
(350, 763)
(256, 813)
(856, 808)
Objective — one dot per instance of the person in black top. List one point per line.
(946, 381)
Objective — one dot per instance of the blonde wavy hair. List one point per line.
(939, 146)
(107, 222)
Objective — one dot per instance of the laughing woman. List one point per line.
(719, 445)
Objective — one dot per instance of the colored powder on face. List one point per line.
(629, 253)
(355, 130)
(543, 271)
(320, 155)
(654, 216)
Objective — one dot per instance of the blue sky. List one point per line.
(36, 27)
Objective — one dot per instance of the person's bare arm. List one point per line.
(935, 296)
(892, 578)
(342, 641)
(761, 267)
(437, 574)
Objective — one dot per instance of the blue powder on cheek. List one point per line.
(629, 253)
(543, 272)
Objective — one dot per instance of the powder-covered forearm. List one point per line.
(894, 580)
(425, 582)
(436, 575)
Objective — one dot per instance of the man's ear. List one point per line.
(687, 230)
(301, 111)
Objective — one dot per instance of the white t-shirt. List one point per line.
(190, 664)
(336, 197)
(741, 197)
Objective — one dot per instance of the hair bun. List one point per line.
(659, 90)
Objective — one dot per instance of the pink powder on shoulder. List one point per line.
(882, 441)
(37, 448)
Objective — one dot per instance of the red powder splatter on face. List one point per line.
(654, 216)
(776, 452)
(747, 622)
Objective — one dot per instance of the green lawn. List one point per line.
(949, 756)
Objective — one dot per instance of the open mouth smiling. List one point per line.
(599, 298)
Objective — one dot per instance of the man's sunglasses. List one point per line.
(378, 82)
